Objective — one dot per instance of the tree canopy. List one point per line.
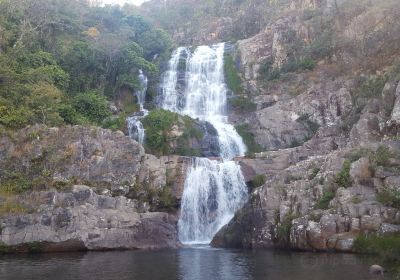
(61, 61)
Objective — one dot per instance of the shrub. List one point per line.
(355, 155)
(115, 123)
(283, 229)
(15, 183)
(232, 77)
(327, 196)
(343, 178)
(259, 180)
(308, 123)
(296, 65)
(92, 106)
(389, 197)
(158, 124)
(386, 247)
(242, 104)
(314, 172)
(382, 156)
(367, 89)
(248, 139)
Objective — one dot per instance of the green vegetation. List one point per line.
(232, 77)
(10, 207)
(386, 247)
(357, 154)
(248, 139)
(314, 172)
(283, 228)
(61, 61)
(166, 201)
(311, 125)
(159, 124)
(367, 89)
(323, 202)
(258, 181)
(343, 178)
(242, 104)
(382, 156)
(268, 73)
(14, 183)
(389, 197)
(115, 123)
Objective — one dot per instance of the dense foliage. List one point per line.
(62, 61)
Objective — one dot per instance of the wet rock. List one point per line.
(376, 270)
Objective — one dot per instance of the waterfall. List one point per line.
(135, 126)
(214, 190)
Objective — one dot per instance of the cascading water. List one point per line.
(135, 126)
(214, 190)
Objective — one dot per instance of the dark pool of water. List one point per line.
(186, 264)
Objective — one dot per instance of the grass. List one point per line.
(10, 207)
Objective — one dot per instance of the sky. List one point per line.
(122, 2)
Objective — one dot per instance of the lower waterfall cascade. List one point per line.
(214, 189)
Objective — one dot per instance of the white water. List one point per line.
(135, 126)
(214, 190)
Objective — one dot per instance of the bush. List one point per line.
(326, 198)
(386, 247)
(158, 124)
(355, 155)
(367, 89)
(343, 178)
(115, 123)
(314, 172)
(308, 123)
(382, 156)
(389, 197)
(91, 106)
(232, 77)
(248, 139)
(283, 229)
(15, 183)
(259, 180)
(242, 104)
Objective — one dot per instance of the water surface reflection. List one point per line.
(186, 264)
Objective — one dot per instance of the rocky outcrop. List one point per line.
(88, 220)
(86, 189)
(305, 206)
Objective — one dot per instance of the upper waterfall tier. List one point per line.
(194, 85)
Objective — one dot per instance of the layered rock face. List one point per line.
(320, 196)
(45, 201)
(331, 135)
(84, 220)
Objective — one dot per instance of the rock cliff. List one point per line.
(84, 188)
